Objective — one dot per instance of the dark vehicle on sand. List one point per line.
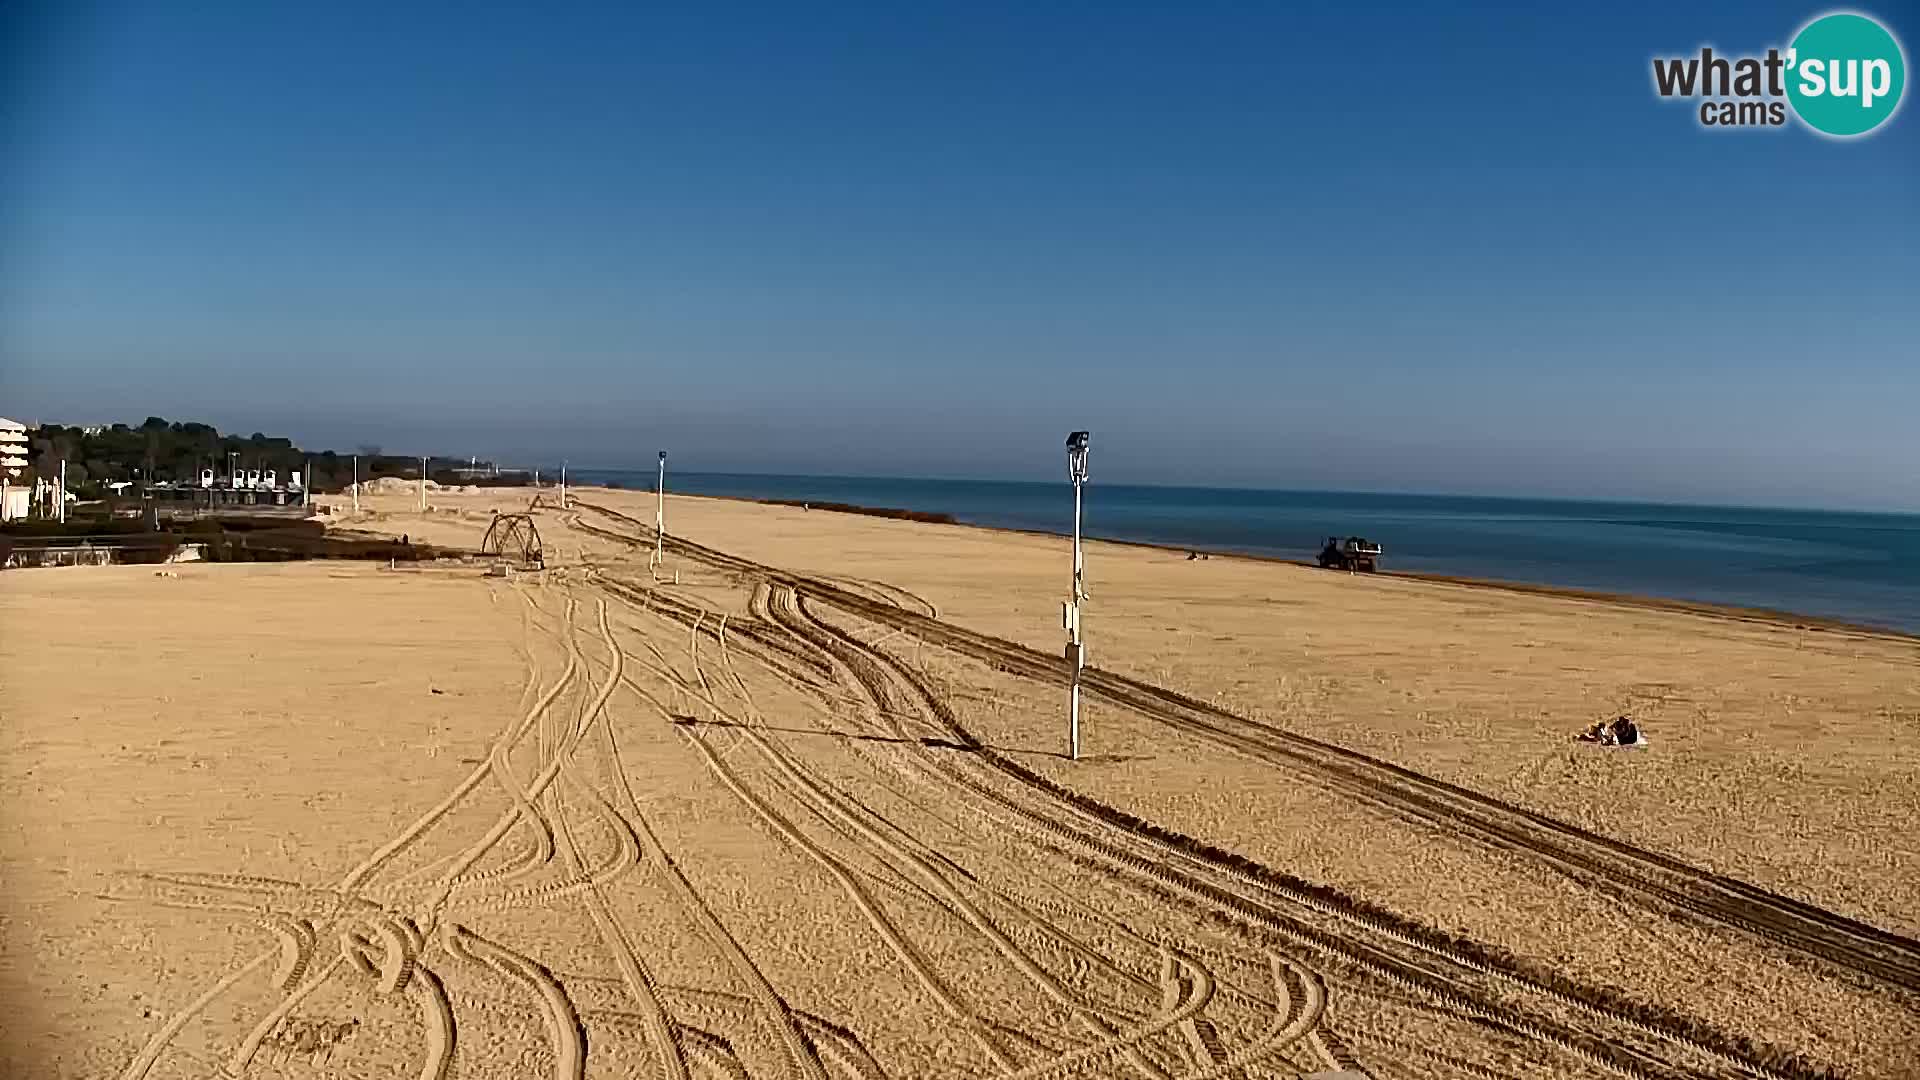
(1356, 553)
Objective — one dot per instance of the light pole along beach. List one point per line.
(1070, 611)
(660, 514)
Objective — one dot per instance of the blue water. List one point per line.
(1860, 567)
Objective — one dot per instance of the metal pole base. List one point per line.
(1073, 718)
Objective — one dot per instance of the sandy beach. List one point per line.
(796, 802)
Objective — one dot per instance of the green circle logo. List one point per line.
(1845, 74)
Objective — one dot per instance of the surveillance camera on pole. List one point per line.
(660, 514)
(1070, 611)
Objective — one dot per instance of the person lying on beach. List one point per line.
(1620, 731)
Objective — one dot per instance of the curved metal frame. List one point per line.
(513, 536)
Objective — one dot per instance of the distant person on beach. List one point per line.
(1620, 731)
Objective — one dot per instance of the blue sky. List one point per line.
(1383, 248)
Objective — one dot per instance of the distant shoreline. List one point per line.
(1731, 612)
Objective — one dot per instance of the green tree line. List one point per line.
(159, 451)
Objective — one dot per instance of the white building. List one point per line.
(14, 495)
(13, 447)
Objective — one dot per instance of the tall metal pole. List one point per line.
(306, 484)
(660, 514)
(356, 483)
(1079, 558)
(423, 485)
(563, 484)
(1078, 647)
(61, 495)
(1070, 611)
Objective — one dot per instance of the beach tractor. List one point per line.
(1356, 554)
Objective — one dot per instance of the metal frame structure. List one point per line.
(1070, 611)
(513, 536)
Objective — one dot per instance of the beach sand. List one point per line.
(840, 837)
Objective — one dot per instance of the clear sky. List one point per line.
(1439, 247)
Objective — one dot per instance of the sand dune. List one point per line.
(794, 804)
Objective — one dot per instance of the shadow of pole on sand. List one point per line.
(930, 742)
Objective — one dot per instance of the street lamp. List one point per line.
(1070, 611)
(660, 514)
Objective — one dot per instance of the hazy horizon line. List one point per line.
(649, 471)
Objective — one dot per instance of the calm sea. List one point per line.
(1859, 567)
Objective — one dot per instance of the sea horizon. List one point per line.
(648, 474)
(1858, 566)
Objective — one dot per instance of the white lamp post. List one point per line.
(1070, 611)
(660, 514)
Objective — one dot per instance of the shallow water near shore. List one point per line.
(1854, 566)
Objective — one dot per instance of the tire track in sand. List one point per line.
(1163, 869)
(832, 809)
(1235, 907)
(933, 879)
(1182, 1008)
(801, 1055)
(564, 1032)
(1637, 873)
(1240, 907)
(672, 1062)
(909, 955)
(478, 776)
(156, 1045)
(835, 812)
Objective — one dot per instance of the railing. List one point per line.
(65, 552)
